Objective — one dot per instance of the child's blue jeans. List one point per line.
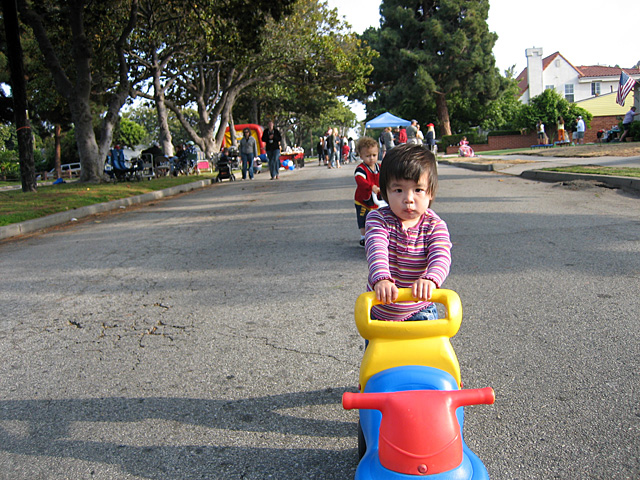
(427, 313)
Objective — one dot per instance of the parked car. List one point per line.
(68, 169)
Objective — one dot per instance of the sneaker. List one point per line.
(362, 242)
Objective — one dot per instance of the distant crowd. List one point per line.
(412, 134)
(334, 150)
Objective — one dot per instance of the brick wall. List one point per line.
(524, 141)
(600, 123)
(502, 142)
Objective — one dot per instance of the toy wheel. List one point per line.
(233, 178)
(362, 443)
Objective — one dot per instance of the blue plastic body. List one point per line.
(411, 377)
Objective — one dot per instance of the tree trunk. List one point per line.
(229, 99)
(57, 132)
(443, 113)
(88, 150)
(161, 108)
(255, 117)
(19, 93)
(232, 131)
(166, 141)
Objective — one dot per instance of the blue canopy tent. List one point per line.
(387, 120)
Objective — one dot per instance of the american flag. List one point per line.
(626, 84)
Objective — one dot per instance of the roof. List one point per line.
(583, 71)
(602, 71)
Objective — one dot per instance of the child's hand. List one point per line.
(422, 289)
(386, 291)
(376, 189)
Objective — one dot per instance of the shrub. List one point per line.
(9, 165)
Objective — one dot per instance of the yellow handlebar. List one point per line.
(444, 327)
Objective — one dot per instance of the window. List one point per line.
(595, 88)
(549, 87)
(568, 92)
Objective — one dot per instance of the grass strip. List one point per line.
(17, 206)
(598, 170)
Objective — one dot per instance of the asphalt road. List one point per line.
(211, 335)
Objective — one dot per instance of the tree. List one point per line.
(503, 112)
(432, 52)
(129, 133)
(204, 62)
(321, 60)
(165, 31)
(547, 107)
(19, 92)
(83, 45)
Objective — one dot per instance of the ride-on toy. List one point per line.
(411, 414)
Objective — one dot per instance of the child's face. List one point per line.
(369, 155)
(409, 199)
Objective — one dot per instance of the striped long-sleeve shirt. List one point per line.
(404, 256)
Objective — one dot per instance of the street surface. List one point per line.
(211, 335)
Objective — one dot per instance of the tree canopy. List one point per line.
(436, 58)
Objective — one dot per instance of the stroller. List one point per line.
(223, 166)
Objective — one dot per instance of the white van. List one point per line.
(68, 169)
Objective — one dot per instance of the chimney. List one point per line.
(534, 71)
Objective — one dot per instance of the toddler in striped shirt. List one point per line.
(408, 245)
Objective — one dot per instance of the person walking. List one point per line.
(320, 151)
(330, 141)
(248, 151)
(431, 138)
(626, 123)
(387, 141)
(412, 131)
(338, 147)
(580, 128)
(272, 138)
(541, 133)
(562, 136)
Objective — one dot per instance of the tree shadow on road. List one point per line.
(46, 428)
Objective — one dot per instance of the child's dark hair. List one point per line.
(366, 142)
(408, 162)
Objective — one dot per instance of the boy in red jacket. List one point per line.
(366, 175)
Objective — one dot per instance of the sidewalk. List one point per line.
(532, 170)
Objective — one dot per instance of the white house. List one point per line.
(573, 83)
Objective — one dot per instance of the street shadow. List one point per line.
(46, 428)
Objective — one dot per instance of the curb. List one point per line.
(480, 167)
(549, 176)
(36, 224)
(608, 180)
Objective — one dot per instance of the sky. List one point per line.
(586, 32)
